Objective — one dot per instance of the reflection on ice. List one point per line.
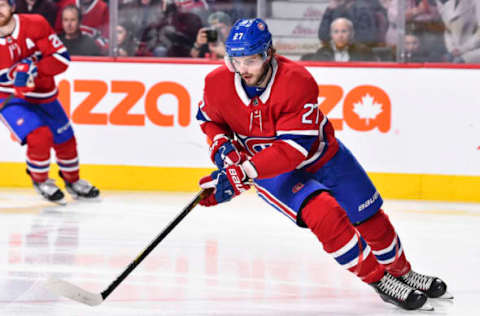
(241, 258)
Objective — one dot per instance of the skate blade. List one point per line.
(86, 199)
(426, 307)
(446, 296)
(61, 202)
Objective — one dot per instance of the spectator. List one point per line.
(76, 42)
(174, 35)
(243, 9)
(368, 18)
(140, 14)
(95, 14)
(198, 7)
(421, 17)
(414, 52)
(220, 24)
(236, 9)
(127, 44)
(47, 8)
(342, 48)
(462, 33)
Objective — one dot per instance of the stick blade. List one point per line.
(73, 292)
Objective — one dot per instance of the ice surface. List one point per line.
(240, 258)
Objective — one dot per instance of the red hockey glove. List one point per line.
(25, 72)
(228, 183)
(225, 152)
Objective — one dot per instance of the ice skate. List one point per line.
(398, 293)
(433, 287)
(81, 189)
(50, 191)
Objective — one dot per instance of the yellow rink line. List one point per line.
(444, 212)
(118, 177)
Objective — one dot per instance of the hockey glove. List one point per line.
(227, 183)
(225, 152)
(25, 72)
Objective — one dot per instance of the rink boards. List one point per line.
(415, 129)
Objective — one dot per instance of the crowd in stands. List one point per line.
(434, 31)
(159, 28)
(350, 30)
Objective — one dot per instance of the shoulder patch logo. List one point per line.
(30, 43)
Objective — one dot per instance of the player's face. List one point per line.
(6, 12)
(340, 34)
(412, 44)
(70, 21)
(121, 34)
(249, 67)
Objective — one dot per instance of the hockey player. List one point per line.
(31, 54)
(261, 114)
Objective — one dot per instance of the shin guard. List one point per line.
(329, 222)
(379, 233)
(39, 144)
(67, 160)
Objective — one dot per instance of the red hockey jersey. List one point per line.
(282, 129)
(33, 38)
(96, 15)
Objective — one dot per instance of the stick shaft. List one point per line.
(7, 99)
(153, 244)
(11, 96)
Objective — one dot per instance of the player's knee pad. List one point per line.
(377, 230)
(328, 221)
(39, 142)
(66, 150)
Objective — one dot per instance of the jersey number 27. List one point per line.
(312, 112)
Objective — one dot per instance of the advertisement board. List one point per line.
(421, 121)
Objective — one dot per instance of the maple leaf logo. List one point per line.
(367, 108)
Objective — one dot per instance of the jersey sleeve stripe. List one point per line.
(299, 132)
(323, 145)
(202, 116)
(305, 141)
(64, 58)
(295, 145)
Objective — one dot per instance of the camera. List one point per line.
(212, 35)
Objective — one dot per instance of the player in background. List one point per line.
(31, 54)
(261, 114)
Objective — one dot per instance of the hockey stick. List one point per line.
(7, 99)
(78, 294)
(11, 96)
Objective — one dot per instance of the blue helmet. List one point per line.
(248, 37)
(11, 3)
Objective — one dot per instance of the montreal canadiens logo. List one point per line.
(297, 187)
(20, 121)
(261, 26)
(255, 145)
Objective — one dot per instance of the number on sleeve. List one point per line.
(56, 42)
(311, 110)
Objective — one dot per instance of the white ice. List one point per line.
(240, 258)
